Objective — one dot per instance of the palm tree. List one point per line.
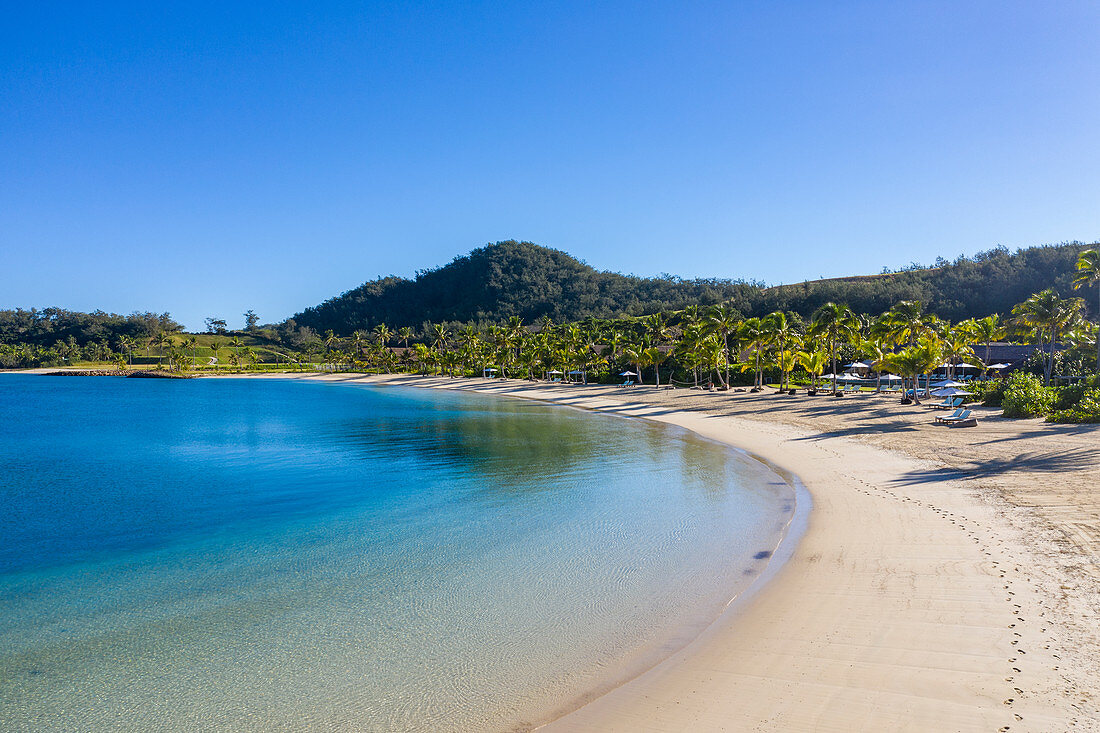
(754, 334)
(383, 334)
(781, 333)
(654, 356)
(404, 335)
(1088, 273)
(164, 342)
(985, 330)
(814, 363)
(440, 336)
(358, 341)
(956, 347)
(192, 342)
(875, 348)
(127, 344)
(236, 343)
(330, 339)
(1047, 316)
(689, 350)
(215, 346)
(905, 322)
(724, 320)
(835, 324)
(634, 353)
(915, 360)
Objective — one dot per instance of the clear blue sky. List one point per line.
(205, 159)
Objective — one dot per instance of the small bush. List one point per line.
(1067, 397)
(1087, 409)
(1025, 396)
(989, 393)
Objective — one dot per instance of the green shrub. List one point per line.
(989, 392)
(1067, 397)
(1025, 396)
(1087, 409)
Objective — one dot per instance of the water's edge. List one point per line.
(783, 550)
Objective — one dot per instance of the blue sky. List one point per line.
(204, 160)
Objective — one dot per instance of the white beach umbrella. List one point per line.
(947, 383)
(999, 366)
(960, 365)
(858, 365)
(628, 374)
(850, 377)
(890, 378)
(830, 375)
(949, 392)
(555, 371)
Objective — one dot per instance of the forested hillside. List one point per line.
(510, 279)
(989, 282)
(506, 279)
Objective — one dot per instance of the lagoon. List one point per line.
(277, 555)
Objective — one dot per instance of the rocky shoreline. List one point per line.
(140, 374)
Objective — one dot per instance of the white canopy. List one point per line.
(890, 378)
(948, 383)
(999, 366)
(960, 365)
(858, 365)
(850, 377)
(577, 371)
(624, 374)
(830, 375)
(555, 371)
(949, 392)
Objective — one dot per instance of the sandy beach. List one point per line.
(946, 579)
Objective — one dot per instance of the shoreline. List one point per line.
(944, 584)
(913, 601)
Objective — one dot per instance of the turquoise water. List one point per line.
(283, 555)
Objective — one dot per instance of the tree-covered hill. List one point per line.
(970, 287)
(505, 279)
(511, 278)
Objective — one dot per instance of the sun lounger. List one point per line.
(948, 403)
(627, 383)
(962, 416)
(950, 415)
(970, 422)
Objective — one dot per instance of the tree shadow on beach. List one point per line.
(1067, 461)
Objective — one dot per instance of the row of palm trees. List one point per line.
(717, 341)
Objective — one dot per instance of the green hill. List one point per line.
(505, 279)
(522, 279)
(990, 282)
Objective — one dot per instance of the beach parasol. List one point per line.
(947, 383)
(555, 371)
(949, 392)
(998, 366)
(628, 374)
(890, 378)
(858, 365)
(960, 365)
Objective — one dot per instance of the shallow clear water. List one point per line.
(280, 555)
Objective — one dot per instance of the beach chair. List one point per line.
(953, 418)
(948, 403)
(627, 383)
(951, 415)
